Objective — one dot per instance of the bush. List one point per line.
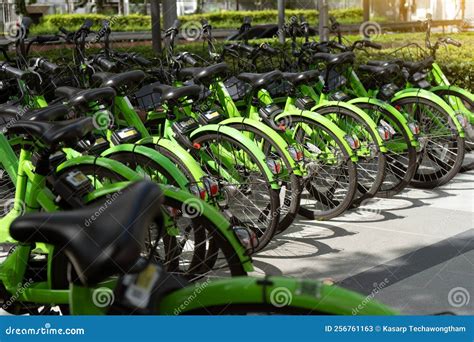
(225, 19)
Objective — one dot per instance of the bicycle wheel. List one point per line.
(330, 182)
(372, 162)
(401, 155)
(443, 151)
(449, 97)
(186, 252)
(185, 241)
(248, 198)
(290, 184)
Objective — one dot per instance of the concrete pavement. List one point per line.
(414, 252)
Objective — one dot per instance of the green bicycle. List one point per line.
(143, 287)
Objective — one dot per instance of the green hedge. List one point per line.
(225, 19)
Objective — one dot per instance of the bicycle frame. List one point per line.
(31, 194)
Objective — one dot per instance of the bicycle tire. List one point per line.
(370, 176)
(269, 199)
(432, 152)
(289, 199)
(398, 173)
(351, 173)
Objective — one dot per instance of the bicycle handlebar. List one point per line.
(452, 41)
(45, 65)
(104, 63)
(187, 58)
(14, 72)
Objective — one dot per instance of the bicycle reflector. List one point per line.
(198, 191)
(247, 238)
(353, 141)
(211, 185)
(295, 153)
(414, 128)
(462, 120)
(274, 165)
(386, 131)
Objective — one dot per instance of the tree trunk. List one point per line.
(99, 6)
(20, 7)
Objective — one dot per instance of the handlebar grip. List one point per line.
(246, 48)
(104, 63)
(14, 72)
(372, 45)
(339, 46)
(44, 39)
(453, 42)
(268, 49)
(141, 60)
(48, 66)
(189, 59)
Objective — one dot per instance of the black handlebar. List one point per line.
(140, 60)
(44, 39)
(368, 43)
(452, 41)
(14, 72)
(45, 65)
(104, 63)
(187, 58)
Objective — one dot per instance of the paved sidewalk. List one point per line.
(417, 249)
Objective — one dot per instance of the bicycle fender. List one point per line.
(267, 130)
(235, 134)
(110, 164)
(216, 218)
(324, 122)
(359, 112)
(276, 291)
(392, 110)
(154, 155)
(422, 93)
